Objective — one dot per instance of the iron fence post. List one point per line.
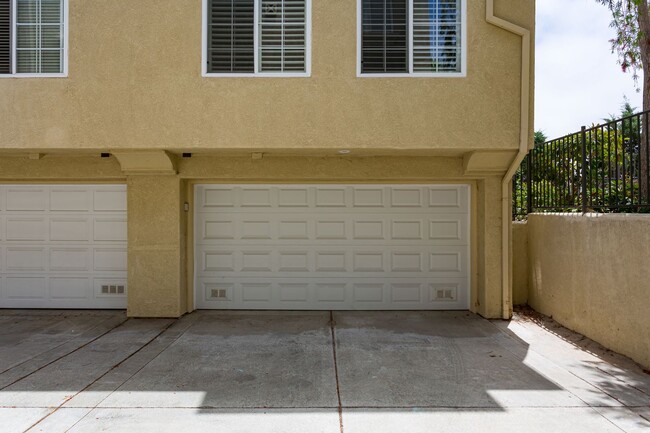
(583, 168)
(529, 183)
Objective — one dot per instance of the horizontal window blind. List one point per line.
(282, 35)
(231, 30)
(384, 36)
(257, 36)
(411, 36)
(39, 36)
(436, 36)
(5, 36)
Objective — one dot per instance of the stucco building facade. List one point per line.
(151, 168)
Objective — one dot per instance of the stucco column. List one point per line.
(156, 227)
(488, 285)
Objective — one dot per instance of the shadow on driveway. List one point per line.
(70, 368)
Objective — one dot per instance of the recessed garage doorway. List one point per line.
(332, 247)
(63, 246)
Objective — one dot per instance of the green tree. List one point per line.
(556, 171)
(631, 21)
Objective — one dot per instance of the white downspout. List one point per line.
(523, 149)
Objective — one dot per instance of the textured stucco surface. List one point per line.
(135, 85)
(156, 283)
(591, 274)
(135, 82)
(519, 263)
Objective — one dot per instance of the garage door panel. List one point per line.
(449, 261)
(20, 259)
(69, 287)
(220, 228)
(449, 199)
(255, 197)
(217, 229)
(294, 229)
(330, 197)
(215, 261)
(333, 293)
(25, 287)
(23, 228)
(293, 197)
(69, 259)
(216, 196)
(332, 246)
(21, 199)
(70, 200)
(57, 240)
(406, 197)
(109, 259)
(369, 197)
(109, 199)
(69, 229)
(109, 229)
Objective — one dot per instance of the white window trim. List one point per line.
(463, 48)
(204, 49)
(64, 59)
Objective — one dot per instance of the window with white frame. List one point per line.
(412, 37)
(32, 37)
(257, 37)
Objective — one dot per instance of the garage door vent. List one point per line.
(113, 289)
(445, 295)
(219, 293)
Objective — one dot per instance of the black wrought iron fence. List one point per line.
(602, 169)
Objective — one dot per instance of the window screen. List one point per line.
(231, 36)
(257, 36)
(39, 41)
(436, 35)
(384, 36)
(282, 35)
(411, 36)
(5, 36)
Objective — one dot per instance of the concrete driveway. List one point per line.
(309, 372)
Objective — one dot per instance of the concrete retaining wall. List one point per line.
(592, 274)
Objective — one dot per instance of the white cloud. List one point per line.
(578, 80)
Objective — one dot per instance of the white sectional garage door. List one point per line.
(63, 246)
(342, 247)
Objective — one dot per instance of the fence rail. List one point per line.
(603, 169)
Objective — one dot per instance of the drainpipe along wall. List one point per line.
(524, 141)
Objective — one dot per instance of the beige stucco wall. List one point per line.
(591, 274)
(519, 263)
(156, 272)
(135, 82)
(160, 237)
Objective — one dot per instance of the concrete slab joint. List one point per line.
(310, 372)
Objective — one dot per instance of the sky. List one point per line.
(577, 79)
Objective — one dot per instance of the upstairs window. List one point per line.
(257, 37)
(32, 37)
(412, 37)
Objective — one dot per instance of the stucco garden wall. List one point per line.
(519, 263)
(591, 274)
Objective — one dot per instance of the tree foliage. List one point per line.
(613, 169)
(625, 22)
